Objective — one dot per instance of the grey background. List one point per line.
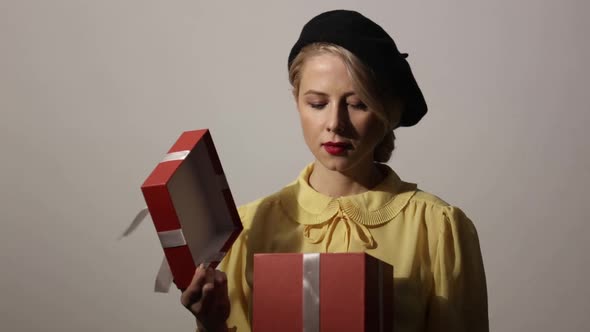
(92, 94)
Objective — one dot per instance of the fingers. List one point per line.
(208, 292)
(193, 292)
(207, 297)
(221, 284)
(222, 304)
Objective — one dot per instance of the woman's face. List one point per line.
(339, 129)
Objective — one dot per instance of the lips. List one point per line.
(337, 148)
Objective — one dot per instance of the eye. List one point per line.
(317, 106)
(358, 106)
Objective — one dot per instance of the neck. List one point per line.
(337, 184)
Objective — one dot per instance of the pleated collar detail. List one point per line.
(371, 208)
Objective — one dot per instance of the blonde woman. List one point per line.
(352, 88)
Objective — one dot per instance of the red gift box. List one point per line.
(191, 206)
(350, 292)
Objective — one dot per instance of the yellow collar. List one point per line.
(372, 208)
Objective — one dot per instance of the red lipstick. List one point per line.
(336, 148)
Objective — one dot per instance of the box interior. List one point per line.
(204, 214)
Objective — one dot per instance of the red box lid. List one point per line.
(191, 205)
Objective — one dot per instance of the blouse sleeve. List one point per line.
(234, 265)
(459, 297)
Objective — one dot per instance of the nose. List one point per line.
(337, 118)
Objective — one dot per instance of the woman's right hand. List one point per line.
(207, 298)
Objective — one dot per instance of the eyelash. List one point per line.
(359, 106)
(317, 106)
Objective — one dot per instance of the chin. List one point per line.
(337, 164)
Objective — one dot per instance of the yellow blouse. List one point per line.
(439, 280)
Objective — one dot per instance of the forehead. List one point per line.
(325, 72)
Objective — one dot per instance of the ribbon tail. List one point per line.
(141, 215)
(163, 278)
(363, 235)
(322, 228)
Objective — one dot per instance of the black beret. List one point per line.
(374, 47)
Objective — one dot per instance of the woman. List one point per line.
(352, 87)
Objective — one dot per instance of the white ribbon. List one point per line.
(163, 278)
(143, 213)
(178, 155)
(169, 239)
(311, 292)
(172, 239)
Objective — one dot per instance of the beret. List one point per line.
(374, 47)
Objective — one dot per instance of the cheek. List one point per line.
(311, 119)
(368, 125)
(308, 126)
(372, 132)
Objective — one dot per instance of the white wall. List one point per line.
(92, 93)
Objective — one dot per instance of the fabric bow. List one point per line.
(327, 231)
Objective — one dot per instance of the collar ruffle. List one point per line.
(321, 213)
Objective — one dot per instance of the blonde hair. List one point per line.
(378, 98)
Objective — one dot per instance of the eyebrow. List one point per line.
(314, 92)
